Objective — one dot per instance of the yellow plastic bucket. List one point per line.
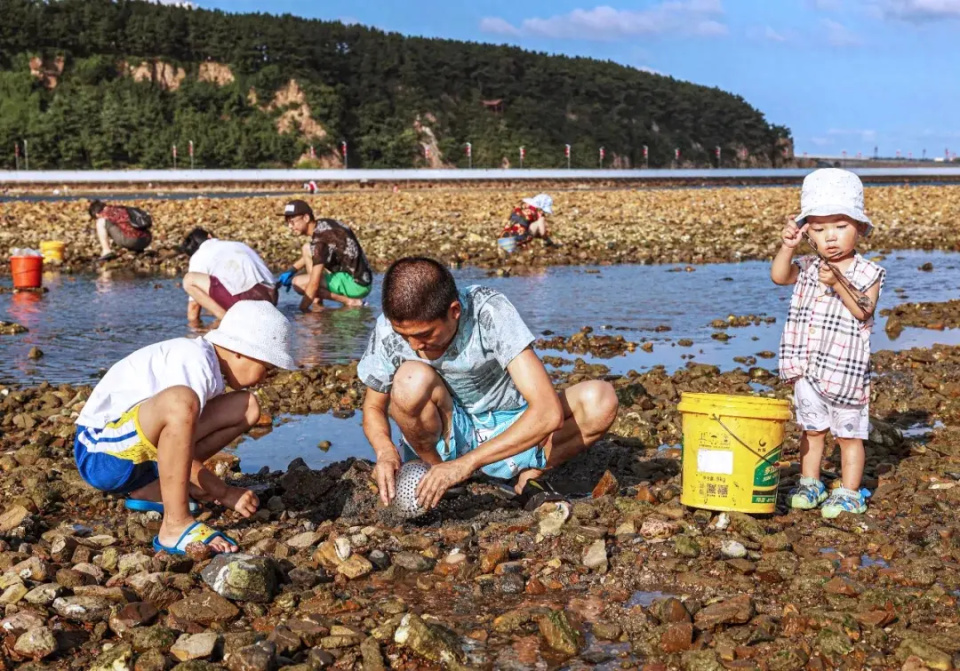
(731, 446)
(52, 251)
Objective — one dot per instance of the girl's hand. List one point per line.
(827, 276)
(790, 234)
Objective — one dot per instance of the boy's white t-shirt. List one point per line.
(191, 362)
(238, 267)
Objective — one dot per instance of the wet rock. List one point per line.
(677, 638)
(737, 610)
(355, 567)
(35, 353)
(552, 518)
(595, 556)
(36, 643)
(372, 658)
(204, 608)
(671, 610)
(700, 660)
(151, 660)
(195, 646)
(257, 657)
(431, 642)
(731, 549)
(686, 546)
(43, 595)
(560, 633)
(931, 657)
(132, 615)
(242, 577)
(606, 485)
(117, 658)
(12, 517)
(157, 637)
(303, 487)
(83, 608)
(413, 561)
(653, 528)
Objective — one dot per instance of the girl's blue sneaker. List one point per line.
(808, 494)
(843, 501)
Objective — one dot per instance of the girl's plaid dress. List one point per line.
(822, 341)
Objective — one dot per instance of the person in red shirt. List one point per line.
(113, 223)
(529, 220)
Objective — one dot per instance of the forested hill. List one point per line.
(95, 83)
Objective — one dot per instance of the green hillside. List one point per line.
(101, 84)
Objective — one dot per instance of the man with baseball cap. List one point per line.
(336, 267)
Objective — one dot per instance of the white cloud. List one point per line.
(838, 35)
(644, 68)
(826, 5)
(820, 141)
(604, 23)
(176, 3)
(920, 10)
(498, 26)
(770, 34)
(865, 134)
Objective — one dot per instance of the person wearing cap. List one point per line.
(161, 412)
(529, 220)
(222, 273)
(825, 347)
(336, 267)
(458, 374)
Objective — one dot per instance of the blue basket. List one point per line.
(507, 244)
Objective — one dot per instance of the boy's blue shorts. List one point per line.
(117, 458)
(470, 431)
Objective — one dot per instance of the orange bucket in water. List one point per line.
(27, 271)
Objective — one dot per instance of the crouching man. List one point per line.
(457, 372)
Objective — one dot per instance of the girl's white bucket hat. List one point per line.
(541, 202)
(830, 191)
(256, 330)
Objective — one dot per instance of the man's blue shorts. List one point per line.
(470, 432)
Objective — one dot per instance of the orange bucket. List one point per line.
(27, 271)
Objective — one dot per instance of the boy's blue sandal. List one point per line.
(843, 501)
(808, 494)
(141, 506)
(198, 532)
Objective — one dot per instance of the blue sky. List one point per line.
(844, 75)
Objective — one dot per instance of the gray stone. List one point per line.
(242, 577)
(413, 561)
(595, 556)
(260, 656)
(195, 646)
(36, 643)
(44, 595)
(731, 549)
(83, 608)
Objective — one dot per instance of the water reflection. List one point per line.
(85, 323)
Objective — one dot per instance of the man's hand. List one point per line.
(439, 479)
(286, 279)
(385, 474)
(790, 234)
(827, 276)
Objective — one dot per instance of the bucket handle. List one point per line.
(737, 438)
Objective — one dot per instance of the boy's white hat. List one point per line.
(832, 191)
(541, 202)
(258, 330)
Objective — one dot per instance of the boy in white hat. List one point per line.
(161, 412)
(825, 348)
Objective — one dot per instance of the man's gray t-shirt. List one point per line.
(490, 335)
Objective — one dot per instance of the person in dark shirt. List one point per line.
(113, 223)
(336, 267)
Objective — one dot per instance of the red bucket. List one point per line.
(27, 271)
